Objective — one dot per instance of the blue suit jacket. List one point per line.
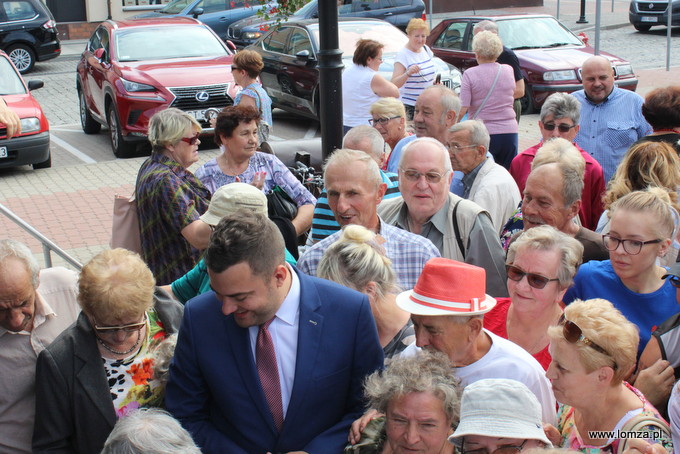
(214, 389)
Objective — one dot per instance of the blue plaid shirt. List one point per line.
(408, 253)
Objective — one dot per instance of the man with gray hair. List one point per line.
(507, 57)
(355, 188)
(459, 228)
(486, 183)
(560, 117)
(363, 138)
(436, 110)
(149, 431)
(35, 307)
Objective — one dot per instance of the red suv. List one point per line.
(131, 69)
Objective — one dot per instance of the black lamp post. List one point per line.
(330, 78)
(582, 19)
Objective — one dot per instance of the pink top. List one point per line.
(498, 114)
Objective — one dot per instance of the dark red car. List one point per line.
(131, 69)
(549, 54)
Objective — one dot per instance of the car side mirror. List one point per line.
(35, 84)
(100, 53)
(303, 55)
(315, 15)
(230, 44)
(197, 12)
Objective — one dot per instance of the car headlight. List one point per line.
(31, 124)
(559, 75)
(252, 35)
(136, 86)
(623, 70)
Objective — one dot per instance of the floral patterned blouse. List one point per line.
(131, 380)
(278, 174)
(571, 439)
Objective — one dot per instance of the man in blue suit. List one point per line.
(225, 386)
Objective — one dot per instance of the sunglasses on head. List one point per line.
(675, 281)
(561, 127)
(191, 140)
(573, 334)
(535, 280)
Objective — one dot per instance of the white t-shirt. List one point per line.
(357, 95)
(505, 359)
(417, 82)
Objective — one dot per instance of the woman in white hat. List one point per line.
(499, 416)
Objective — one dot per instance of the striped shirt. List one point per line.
(417, 82)
(610, 127)
(169, 198)
(407, 251)
(324, 223)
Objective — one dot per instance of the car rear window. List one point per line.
(535, 33)
(19, 10)
(10, 83)
(162, 43)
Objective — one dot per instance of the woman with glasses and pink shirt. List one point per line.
(593, 350)
(541, 265)
(641, 227)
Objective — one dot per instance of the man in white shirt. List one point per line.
(35, 306)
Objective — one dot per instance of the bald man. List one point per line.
(611, 118)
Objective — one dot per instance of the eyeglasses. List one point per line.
(459, 148)
(561, 127)
(505, 449)
(131, 328)
(381, 121)
(633, 247)
(190, 140)
(235, 68)
(535, 280)
(675, 281)
(430, 177)
(573, 334)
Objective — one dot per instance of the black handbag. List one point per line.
(280, 204)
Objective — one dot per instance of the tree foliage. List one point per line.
(279, 11)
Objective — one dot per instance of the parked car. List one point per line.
(133, 68)
(550, 55)
(290, 55)
(28, 33)
(32, 146)
(396, 12)
(644, 14)
(216, 14)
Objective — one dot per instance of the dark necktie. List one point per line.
(268, 372)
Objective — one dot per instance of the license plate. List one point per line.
(648, 19)
(3, 152)
(197, 114)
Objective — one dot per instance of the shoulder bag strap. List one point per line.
(456, 229)
(488, 94)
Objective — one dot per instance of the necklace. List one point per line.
(116, 352)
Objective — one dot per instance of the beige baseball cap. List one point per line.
(233, 197)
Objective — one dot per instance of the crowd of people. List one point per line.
(457, 296)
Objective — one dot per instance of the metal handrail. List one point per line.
(48, 245)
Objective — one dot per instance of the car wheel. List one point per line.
(22, 56)
(527, 100)
(121, 149)
(642, 27)
(87, 122)
(46, 164)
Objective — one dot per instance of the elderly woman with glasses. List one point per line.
(363, 83)
(420, 400)
(541, 265)
(389, 118)
(170, 199)
(641, 228)
(101, 368)
(593, 351)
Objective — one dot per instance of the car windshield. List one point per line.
(534, 33)
(163, 43)
(175, 7)
(350, 32)
(10, 83)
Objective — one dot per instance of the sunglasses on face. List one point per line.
(131, 328)
(380, 121)
(190, 140)
(561, 127)
(535, 280)
(675, 281)
(430, 177)
(573, 334)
